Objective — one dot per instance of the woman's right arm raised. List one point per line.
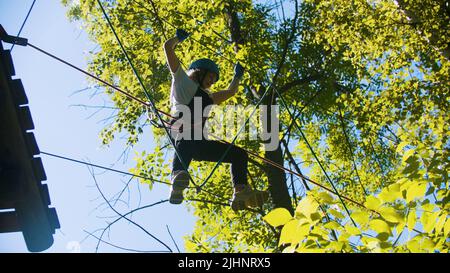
(169, 49)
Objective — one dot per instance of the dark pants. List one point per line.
(208, 150)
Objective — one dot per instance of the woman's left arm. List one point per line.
(221, 96)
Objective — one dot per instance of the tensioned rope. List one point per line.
(115, 88)
(152, 104)
(241, 129)
(137, 99)
(24, 22)
(118, 171)
(199, 24)
(147, 94)
(243, 126)
(159, 117)
(146, 104)
(275, 164)
(315, 156)
(103, 167)
(304, 137)
(335, 191)
(96, 78)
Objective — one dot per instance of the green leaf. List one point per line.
(288, 232)
(278, 217)
(303, 249)
(315, 217)
(401, 146)
(427, 244)
(413, 167)
(372, 202)
(441, 222)
(190, 246)
(447, 227)
(344, 237)
(336, 213)
(361, 217)
(293, 232)
(404, 184)
(336, 246)
(411, 219)
(385, 245)
(388, 196)
(413, 245)
(415, 190)
(332, 225)
(326, 198)
(407, 155)
(429, 221)
(394, 187)
(383, 236)
(391, 193)
(442, 193)
(390, 214)
(352, 230)
(307, 206)
(379, 226)
(400, 226)
(430, 190)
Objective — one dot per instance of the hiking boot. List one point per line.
(246, 197)
(180, 181)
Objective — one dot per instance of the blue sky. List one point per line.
(65, 129)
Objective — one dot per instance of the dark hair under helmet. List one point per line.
(206, 64)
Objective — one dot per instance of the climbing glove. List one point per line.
(182, 34)
(238, 70)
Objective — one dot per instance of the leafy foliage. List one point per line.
(368, 83)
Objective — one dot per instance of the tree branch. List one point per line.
(298, 82)
(123, 216)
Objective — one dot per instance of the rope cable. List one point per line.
(95, 77)
(24, 22)
(157, 111)
(103, 167)
(147, 94)
(315, 156)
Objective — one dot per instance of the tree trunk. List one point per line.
(276, 177)
(277, 181)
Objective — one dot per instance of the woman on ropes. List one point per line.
(191, 87)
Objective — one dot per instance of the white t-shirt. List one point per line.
(182, 90)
